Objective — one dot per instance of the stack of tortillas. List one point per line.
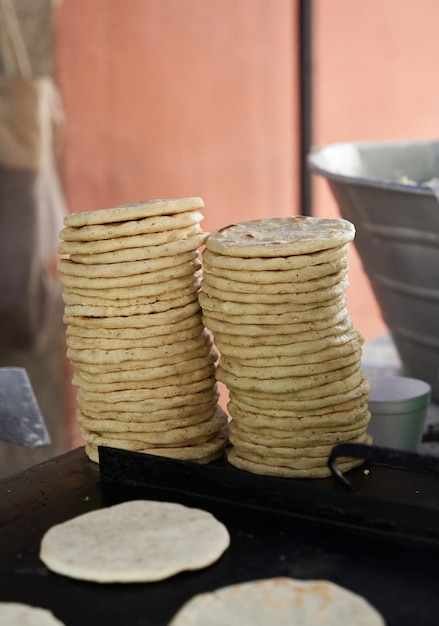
(144, 363)
(273, 295)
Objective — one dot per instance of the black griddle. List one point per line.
(377, 534)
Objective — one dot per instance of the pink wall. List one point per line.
(169, 98)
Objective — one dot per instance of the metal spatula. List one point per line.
(21, 421)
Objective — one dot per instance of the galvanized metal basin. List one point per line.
(387, 190)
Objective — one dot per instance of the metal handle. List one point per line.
(382, 456)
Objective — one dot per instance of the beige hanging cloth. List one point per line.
(32, 203)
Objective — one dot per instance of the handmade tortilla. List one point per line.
(132, 241)
(133, 280)
(265, 263)
(259, 467)
(281, 602)
(281, 236)
(20, 614)
(136, 541)
(280, 269)
(127, 268)
(126, 228)
(300, 312)
(133, 211)
(188, 242)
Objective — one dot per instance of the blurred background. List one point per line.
(216, 98)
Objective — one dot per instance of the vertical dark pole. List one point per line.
(305, 108)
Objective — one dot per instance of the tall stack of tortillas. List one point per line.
(274, 297)
(144, 363)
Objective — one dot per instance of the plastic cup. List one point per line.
(398, 407)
